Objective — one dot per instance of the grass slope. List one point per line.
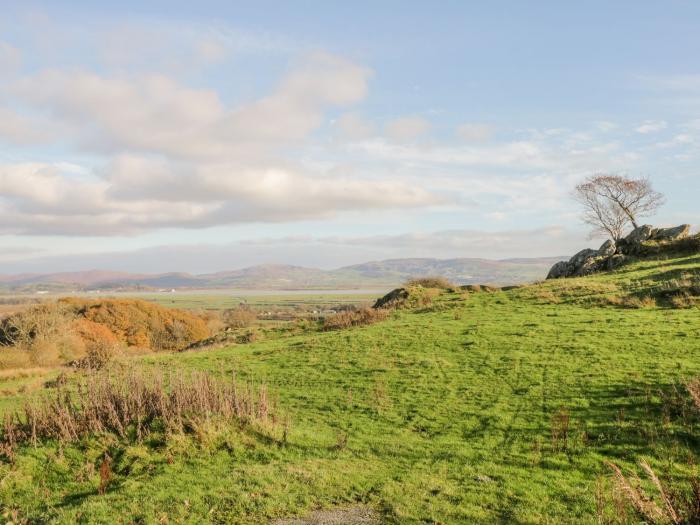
(450, 414)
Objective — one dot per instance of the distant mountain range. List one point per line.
(285, 277)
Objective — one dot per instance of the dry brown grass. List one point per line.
(668, 507)
(693, 387)
(665, 506)
(560, 430)
(129, 402)
(682, 301)
(361, 317)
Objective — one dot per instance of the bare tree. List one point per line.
(611, 202)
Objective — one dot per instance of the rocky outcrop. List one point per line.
(612, 255)
(671, 234)
(392, 299)
(634, 243)
(584, 262)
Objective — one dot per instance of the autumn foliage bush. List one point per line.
(140, 323)
(93, 331)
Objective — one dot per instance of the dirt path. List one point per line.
(357, 515)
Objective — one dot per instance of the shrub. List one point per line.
(142, 324)
(241, 317)
(44, 321)
(90, 332)
(429, 282)
(361, 317)
(213, 320)
(247, 338)
(45, 353)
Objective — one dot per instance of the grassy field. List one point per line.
(223, 299)
(480, 408)
(276, 300)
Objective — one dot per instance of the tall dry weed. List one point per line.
(129, 402)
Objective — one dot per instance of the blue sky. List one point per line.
(158, 136)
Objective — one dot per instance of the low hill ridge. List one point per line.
(386, 273)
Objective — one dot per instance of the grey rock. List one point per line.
(581, 257)
(608, 249)
(590, 265)
(483, 478)
(392, 299)
(560, 270)
(639, 235)
(671, 234)
(616, 261)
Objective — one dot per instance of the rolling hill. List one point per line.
(278, 277)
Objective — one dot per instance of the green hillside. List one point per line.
(481, 407)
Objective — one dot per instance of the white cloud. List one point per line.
(10, 58)
(352, 126)
(137, 194)
(680, 140)
(176, 156)
(651, 126)
(406, 128)
(23, 129)
(211, 50)
(476, 132)
(606, 126)
(154, 113)
(522, 155)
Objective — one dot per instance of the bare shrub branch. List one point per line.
(612, 202)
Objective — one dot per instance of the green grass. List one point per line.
(447, 413)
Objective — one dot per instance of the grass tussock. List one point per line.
(350, 318)
(131, 403)
(633, 302)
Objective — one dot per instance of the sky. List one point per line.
(211, 135)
